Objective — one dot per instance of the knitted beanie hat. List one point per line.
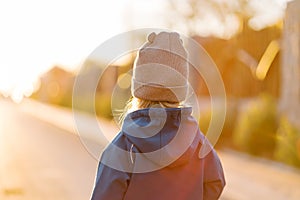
(160, 70)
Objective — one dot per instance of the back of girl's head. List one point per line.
(160, 73)
(160, 70)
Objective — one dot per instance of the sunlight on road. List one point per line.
(11, 183)
(40, 161)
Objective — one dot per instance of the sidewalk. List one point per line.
(247, 177)
(63, 118)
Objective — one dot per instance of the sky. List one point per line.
(36, 35)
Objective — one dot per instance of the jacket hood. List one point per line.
(162, 137)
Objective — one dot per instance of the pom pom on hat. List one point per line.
(151, 37)
(160, 71)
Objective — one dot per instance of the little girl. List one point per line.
(156, 155)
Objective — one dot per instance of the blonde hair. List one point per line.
(135, 103)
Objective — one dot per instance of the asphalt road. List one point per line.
(40, 161)
(42, 157)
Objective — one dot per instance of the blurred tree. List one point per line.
(223, 18)
(255, 130)
(288, 143)
(229, 31)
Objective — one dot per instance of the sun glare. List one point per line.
(37, 35)
(35, 38)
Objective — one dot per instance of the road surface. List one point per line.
(42, 157)
(40, 161)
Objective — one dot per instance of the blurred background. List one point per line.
(44, 45)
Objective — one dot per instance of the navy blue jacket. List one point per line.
(159, 154)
